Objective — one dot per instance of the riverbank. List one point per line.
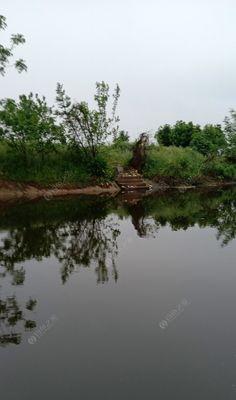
(10, 190)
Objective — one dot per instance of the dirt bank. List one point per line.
(162, 183)
(10, 190)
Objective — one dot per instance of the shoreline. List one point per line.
(10, 190)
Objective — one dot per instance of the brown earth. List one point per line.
(10, 190)
(161, 183)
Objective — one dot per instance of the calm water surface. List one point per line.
(120, 298)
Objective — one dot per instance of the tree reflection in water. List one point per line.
(86, 243)
(83, 232)
(12, 316)
(77, 232)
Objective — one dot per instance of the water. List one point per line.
(119, 298)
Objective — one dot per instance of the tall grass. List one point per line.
(175, 162)
(67, 166)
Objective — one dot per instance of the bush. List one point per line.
(114, 155)
(174, 162)
(219, 168)
(210, 140)
(58, 167)
(97, 166)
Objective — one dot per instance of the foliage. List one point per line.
(6, 53)
(29, 125)
(230, 132)
(210, 140)
(97, 166)
(179, 135)
(122, 140)
(114, 155)
(221, 169)
(174, 162)
(88, 129)
(60, 167)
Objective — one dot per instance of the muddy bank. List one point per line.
(161, 183)
(12, 190)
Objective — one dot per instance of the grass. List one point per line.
(174, 162)
(60, 167)
(187, 165)
(63, 166)
(67, 167)
(115, 155)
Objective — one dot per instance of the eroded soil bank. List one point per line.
(10, 190)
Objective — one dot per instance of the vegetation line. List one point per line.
(70, 143)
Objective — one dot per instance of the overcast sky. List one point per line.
(173, 59)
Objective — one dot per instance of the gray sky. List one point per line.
(173, 59)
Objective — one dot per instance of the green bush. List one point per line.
(61, 166)
(220, 168)
(115, 155)
(175, 162)
(210, 140)
(97, 166)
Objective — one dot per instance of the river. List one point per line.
(119, 298)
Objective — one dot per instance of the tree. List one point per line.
(230, 132)
(29, 124)
(6, 53)
(183, 133)
(164, 135)
(179, 135)
(210, 140)
(88, 129)
(122, 140)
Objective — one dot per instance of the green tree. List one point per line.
(122, 140)
(6, 53)
(87, 129)
(183, 133)
(164, 135)
(179, 135)
(210, 140)
(230, 132)
(29, 125)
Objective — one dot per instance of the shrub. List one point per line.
(210, 140)
(114, 155)
(174, 162)
(97, 166)
(219, 168)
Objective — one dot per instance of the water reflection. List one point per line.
(215, 209)
(12, 317)
(77, 233)
(84, 232)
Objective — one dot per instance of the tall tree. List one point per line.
(7, 52)
(230, 132)
(29, 125)
(89, 128)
